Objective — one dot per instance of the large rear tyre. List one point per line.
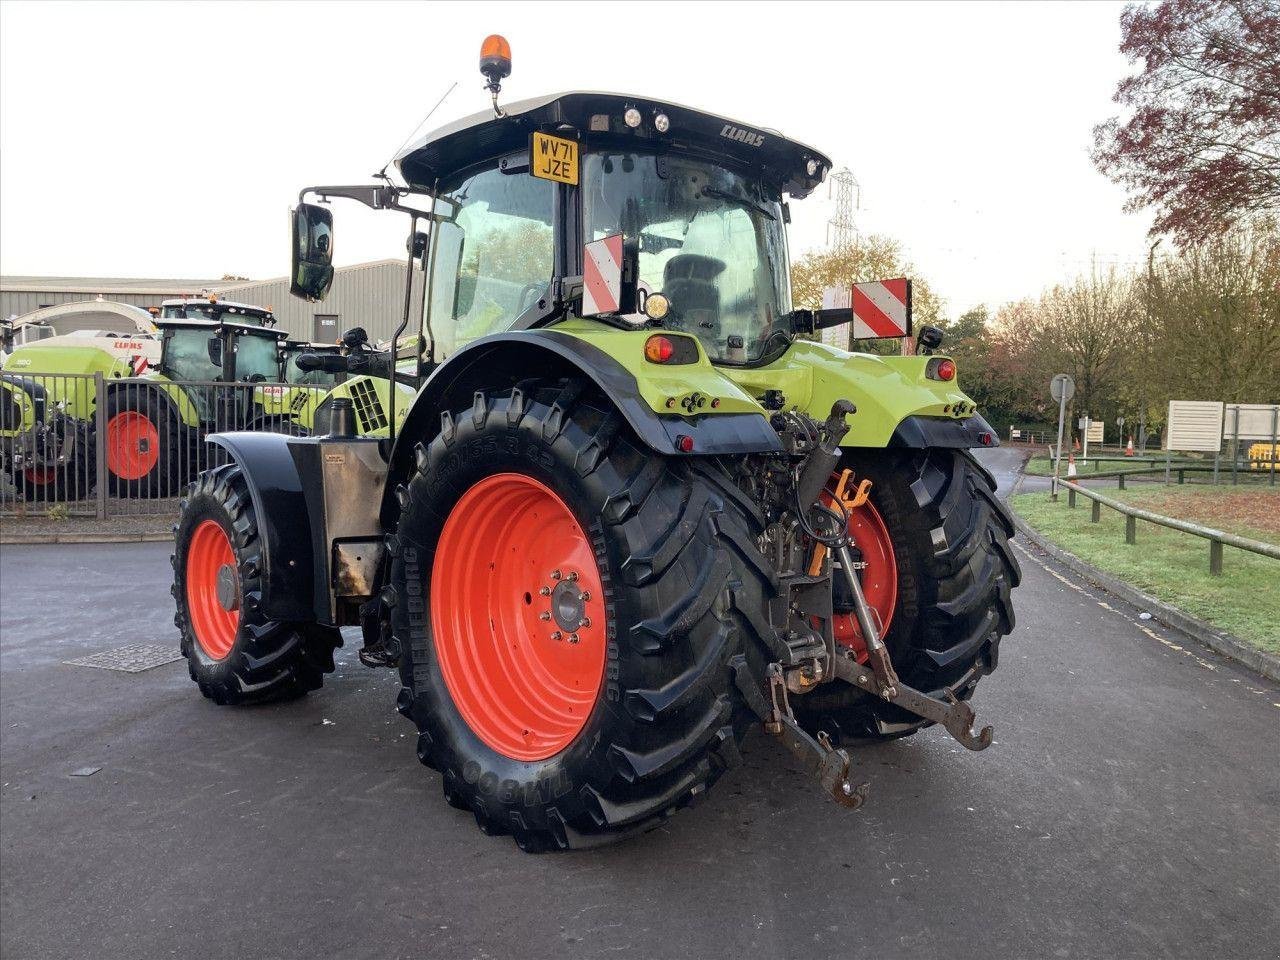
(570, 611)
(948, 537)
(146, 445)
(234, 653)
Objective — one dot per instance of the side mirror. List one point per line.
(311, 266)
(215, 351)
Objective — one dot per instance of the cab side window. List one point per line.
(494, 260)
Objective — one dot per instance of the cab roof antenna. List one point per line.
(495, 64)
(382, 174)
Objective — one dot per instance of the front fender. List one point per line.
(275, 487)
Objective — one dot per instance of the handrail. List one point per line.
(1216, 537)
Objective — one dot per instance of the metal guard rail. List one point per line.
(1215, 537)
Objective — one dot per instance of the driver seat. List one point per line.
(688, 281)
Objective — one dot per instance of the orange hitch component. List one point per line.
(859, 497)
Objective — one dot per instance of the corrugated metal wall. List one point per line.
(369, 295)
(18, 302)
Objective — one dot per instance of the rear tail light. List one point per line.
(661, 348)
(941, 368)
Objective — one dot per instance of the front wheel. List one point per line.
(569, 607)
(233, 652)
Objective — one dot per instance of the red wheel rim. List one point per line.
(133, 445)
(39, 476)
(213, 589)
(879, 577)
(513, 572)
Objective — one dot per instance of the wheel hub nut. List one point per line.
(228, 587)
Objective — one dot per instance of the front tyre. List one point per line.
(233, 652)
(568, 607)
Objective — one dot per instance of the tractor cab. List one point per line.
(521, 204)
(203, 354)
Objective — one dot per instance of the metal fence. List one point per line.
(89, 445)
(1217, 538)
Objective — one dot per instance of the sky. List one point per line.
(170, 139)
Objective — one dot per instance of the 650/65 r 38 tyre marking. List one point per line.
(670, 542)
(233, 651)
(517, 608)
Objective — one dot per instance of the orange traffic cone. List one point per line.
(1071, 466)
(1128, 451)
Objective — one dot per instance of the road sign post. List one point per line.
(1061, 388)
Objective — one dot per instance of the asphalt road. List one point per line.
(1129, 808)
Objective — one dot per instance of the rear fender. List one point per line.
(499, 362)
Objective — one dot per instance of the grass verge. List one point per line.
(1173, 566)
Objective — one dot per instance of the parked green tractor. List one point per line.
(630, 510)
(161, 399)
(206, 381)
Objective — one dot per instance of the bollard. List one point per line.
(1130, 529)
(1182, 476)
(1121, 479)
(1215, 557)
(1096, 514)
(1071, 497)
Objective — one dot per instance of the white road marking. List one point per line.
(1106, 606)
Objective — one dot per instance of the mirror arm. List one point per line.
(383, 197)
(376, 196)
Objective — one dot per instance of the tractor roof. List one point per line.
(230, 305)
(458, 145)
(174, 323)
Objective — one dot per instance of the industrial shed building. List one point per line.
(369, 295)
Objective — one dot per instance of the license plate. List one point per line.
(553, 158)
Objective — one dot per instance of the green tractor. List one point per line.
(631, 510)
(207, 380)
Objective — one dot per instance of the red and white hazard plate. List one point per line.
(602, 276)
(882, 308)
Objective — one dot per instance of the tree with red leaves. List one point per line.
(1202, 143)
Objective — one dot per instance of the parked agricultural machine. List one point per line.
(163, 394)
(632, 508)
